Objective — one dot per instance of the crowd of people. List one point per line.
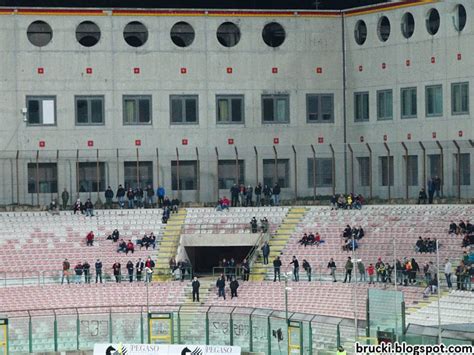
(465, 229)
(434, 188)
(310, 239)
(243, 196)
(426, 245)
(351, 236)
(349, 202)
(264, 224)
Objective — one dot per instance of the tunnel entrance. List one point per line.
(203, 259)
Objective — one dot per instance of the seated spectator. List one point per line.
(175, 205)
(115, 235)
(469, 227)
(311, 238)
(264, 225)
(223, 204)
(349, 201)
(143, 241)
(317, 239)
(350, 245)
(53, 207)
(347, 233)
(422, 197)
(420, 245)
(89, 207)
(90, 239)
(166, 215)
(122, 246)
(254, 225)
(167, 203)
(360, 233)
(341, 201)
(453, 228)
(78, 207)
(130, 247)
(151, 240)
(333, 202)
(358, 202)
(462, 227)
(304, 240)
(432, 287)
(468, 240)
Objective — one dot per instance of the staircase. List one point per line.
(169, 245)
(277, 243)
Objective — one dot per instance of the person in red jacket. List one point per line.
(130, 247)
(371, 273)
(90, 239)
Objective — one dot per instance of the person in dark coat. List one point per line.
(276, 268)
(140, 265)
(98, 271)
(109, 195)
(276, 194)
(258, 194)
(117, 272)
(296, 268)
(121, 196)
(234, 194)
(195, 285)
(130, 268)
(234, 285)
(87, 272)
(220, 284)
(265, 253)
(245, 270)
(422, 196)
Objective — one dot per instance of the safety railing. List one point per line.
(216, 228)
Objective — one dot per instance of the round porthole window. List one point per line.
(228, 34)
(182, 34)
(460, 17)
(39, 33)
(360, 32)
(384, 28)
(273, 34)
(88, 34)
(433, 22)
(135, 34)
(408, 25)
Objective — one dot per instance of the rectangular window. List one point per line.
(227, 171)
(364, 171)
(230, 108)
(319, 108)
(408, 102)
(89, 110)
(137, 110)
(88, 177)
(386, 171)
(412, 169)
(460, 98)
(361, 106)
(41, 110)
(282, 172)
(434, 100)
(188, 173)
(434, 161)
(275, 108)
(384, 105)
(145, 174)
(324, 176)
(45, 174)
(184, 109)
(465, 169)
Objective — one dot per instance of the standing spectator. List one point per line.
(160, 193)
(130, 270)
(140, 265)
(117, 271)
(361, 268)
(276, 268)
(349, 266)
(78, 206)
(371, 273)
(431, 190)
(307, 268)
(254, 225)
(148, 274)
(66, 270)
(245, 270)
(138, 194)
(121, 196)
(264, 225)
(79, 270)
(98, 271)
(378, 267)
(399, 272)
(150, 193)
(242, 193)
(220, 284)
(422, 196)
(234, 195)
(89, 207)
(109, 196)
(87, 272)
(130, 198)
(414, 269)
(65, 198)
(249, 196)
(234, 285)
(90, 239)
(296, 268)
(195, 285)
(258, 194)
(149, 263)
(447, 273)
(437, 186)
(276, 194)
(332, 269)
(267, 192)
(265, 253)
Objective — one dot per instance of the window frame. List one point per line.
(229, 99)
(183, 99)
(282, 164)
(460, 84)
(384, 92)
(41, 98)
(89, 98)
(356, 95)
(81, 170)
(321, 173)
(42, 166)
(275, 97)
(136, 113)
(391, 171)
(428, 87)
(320, 97)
(402, 90)
(188, 164)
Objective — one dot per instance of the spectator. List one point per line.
(78, 269)
(333, 202)
(453, 228)
(130, 247)
(437, 186)
(358, 202)
(109, 195)
(122, 246)
(172, 264)
(138, 195)
(422, 196)
(296, 268)
(234, 194)
(65, 198)
(245, 270)
(249, 196)
(276, 194)
(304, 240)
(242, 193)
(412, 273)
(53, 207)
(175, 205)
(431, 190)
(234, 285)
(388, 272)
(264, 225)
(149, 263)
(87, 272)
(447, 273)
(307, 268)
(195, 286)
(166, 215)
(148, 274)
(130, 198)
(349, 266)
(332, 269)
(121, 196)
(160, 193)
(420, 246)
(90, 239)
(151, 241)
(267, 192)
(130, 268)
(220, 284)
(349, 201)
(361, 268)
(117, 272)
(78, 207)
(462, 227)
(431, 288)
(223, 204)
(150, 194)
(371, 273)
(139, 266)
(399, 269)
(276, 268)
(254, 225)
(115, 235)
(265, 252)
(66, 271)
(98, 271)
(258, 194)
(378, 266)
(341, 202)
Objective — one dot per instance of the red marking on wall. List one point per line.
(184, 71)
(433, 135)
(230, 141)
(408, 62)
(276, 140)
(42, 144)
(138, 142)
(136, 70)
(88, 70)
(460, 133)
(361, 139)
(90, 143)
(361, 68)
(319, 70)
(229, 70)
(409, 136)
(320, 140)
(433, 60)
(274, 70)
(40, 70)
(184, 141)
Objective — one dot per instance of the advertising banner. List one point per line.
(158, 349)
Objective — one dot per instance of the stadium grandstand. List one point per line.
(249, 181)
